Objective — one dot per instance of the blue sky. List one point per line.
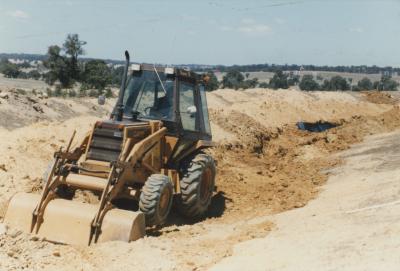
(318, 32)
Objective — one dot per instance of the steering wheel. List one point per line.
(147, 110)
(154, 113)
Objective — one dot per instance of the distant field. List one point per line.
(22, 83)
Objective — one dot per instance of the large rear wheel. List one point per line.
(156, 199)
(197, 186)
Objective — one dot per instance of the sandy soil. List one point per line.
(352, 225)
(265, 166)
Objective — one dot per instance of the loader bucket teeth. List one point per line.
(69, 222)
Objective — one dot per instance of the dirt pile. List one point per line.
(19, 108)
(379, 97)
(265, 165)
(273, 109)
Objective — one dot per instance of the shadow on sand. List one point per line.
(216, 209)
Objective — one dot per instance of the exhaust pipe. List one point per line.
(120, 103)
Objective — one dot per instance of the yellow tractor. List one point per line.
(147, 157)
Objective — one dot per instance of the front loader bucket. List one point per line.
(69, 222)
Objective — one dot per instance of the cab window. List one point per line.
(149, 96)
(204, 109)
(187, 107)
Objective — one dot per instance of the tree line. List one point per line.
(294, 67)
(281, 80)
(13, 70)
(340, 83)
(245, 68)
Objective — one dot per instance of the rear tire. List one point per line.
(197, 186)
(156, 199)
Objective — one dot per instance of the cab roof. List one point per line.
(179, 72)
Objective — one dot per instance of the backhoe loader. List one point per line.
(147, 157)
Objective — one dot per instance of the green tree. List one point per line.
(293, 80)
(336, 83)
(249, 83)
(58, 67)
(279, 80)
(34, 74)
(108, 93)
(212, 83)
(96, 75)
(24, 65)
(9, 69)
(388, 84)
(326, 85)
(308, 83)
(233, 79)
(23, 75)
(73, 47)
(365, 84)
(339, 83)
(116, 75)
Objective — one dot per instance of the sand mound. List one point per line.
(379, 97)
(18, 109)
(273, 108)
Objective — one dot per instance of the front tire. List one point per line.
(197, 186)
(156, 199)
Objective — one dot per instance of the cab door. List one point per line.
(193, 122)
(188, 108)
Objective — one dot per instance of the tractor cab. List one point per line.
(174, 96)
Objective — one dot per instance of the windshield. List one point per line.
(149, 95)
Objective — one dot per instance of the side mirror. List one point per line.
(191, 110)
(206, 79)
(101, 100)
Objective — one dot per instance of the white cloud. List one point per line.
(248, 21)
(225, 28)
(255, 29)
(189, 18)
(356, 29)
(280, 21)
(248, 26)
(19, 14)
